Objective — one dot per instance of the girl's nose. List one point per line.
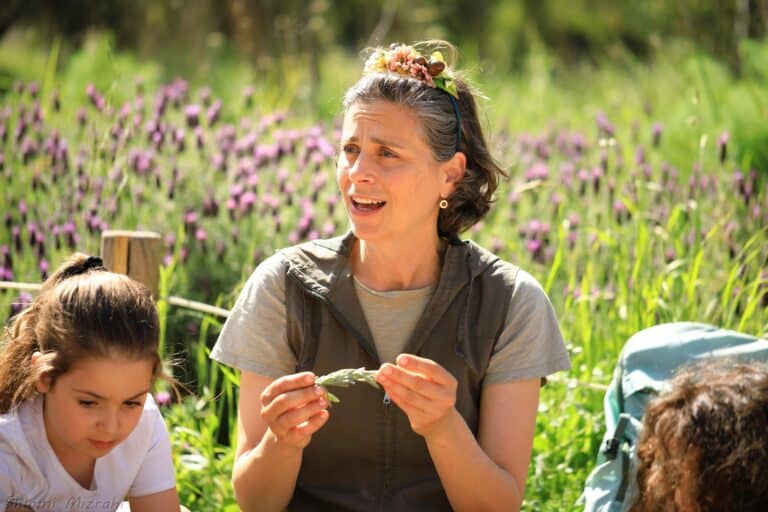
(110, 422)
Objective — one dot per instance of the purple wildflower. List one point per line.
(23, 300)
(97, 100)
(163, 398)
(604, 126)
(5, 255)
(213, 113)
(247, 201)
(620, 211)
(539, 171)
(210, 206)
(328, 228)
(221, 250)
(331, 203)
(722, 146)
(248, 96)
(205, 95)
(656, 134)
(192, 114)
(190, 220)
(82, 117)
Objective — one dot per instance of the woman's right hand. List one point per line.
(294, 408)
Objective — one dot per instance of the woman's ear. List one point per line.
(43, 381)
(453, 170)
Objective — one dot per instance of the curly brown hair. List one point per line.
(474, 194)
(704, 446)
(82, 311)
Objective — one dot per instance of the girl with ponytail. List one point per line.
(78, 427)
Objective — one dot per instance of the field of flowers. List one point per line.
(638, 194)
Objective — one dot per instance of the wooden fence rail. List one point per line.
(201, 307)
(138, 255)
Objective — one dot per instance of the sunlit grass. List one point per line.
(619, 203)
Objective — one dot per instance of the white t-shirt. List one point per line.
(31, 474)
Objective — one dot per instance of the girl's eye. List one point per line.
(133, 404)
(349, 148)
(87, 403)
(387, 153)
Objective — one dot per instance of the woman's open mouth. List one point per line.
(363, 204)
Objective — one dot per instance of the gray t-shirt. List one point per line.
(254, 336)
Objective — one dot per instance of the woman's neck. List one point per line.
(396, 266)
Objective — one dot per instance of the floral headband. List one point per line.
(405, 60)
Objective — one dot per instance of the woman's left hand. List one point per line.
(424, 390)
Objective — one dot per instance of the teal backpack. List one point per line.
(647, 361)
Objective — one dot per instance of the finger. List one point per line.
(301, 435)
(409, 401)
(291, 400)
(310, 426)
(426, 367)
(285, 384)
(295, 417)
(415, 382)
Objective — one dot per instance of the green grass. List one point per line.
(674, 254)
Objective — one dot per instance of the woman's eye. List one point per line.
(132, 404)
(387, 153)
(349, 148)
(87, 403)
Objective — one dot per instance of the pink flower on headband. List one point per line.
(406, 61)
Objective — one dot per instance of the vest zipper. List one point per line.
(386, 502)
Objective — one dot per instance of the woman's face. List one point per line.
(388, 177)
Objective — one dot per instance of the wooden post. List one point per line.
(135, 253)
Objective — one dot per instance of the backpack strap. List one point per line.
(611, 445)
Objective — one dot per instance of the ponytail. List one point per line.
(82, 311)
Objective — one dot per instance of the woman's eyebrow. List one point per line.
(379, 141)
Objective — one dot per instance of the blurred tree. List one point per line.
(502, 30)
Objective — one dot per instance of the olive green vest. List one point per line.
(366, 457)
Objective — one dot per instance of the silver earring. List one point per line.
(443, 204)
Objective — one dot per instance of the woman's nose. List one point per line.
(361, 169)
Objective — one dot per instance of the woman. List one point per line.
(461, 338)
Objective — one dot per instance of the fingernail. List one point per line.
(403, 360)
(319, 390)
(387, 370)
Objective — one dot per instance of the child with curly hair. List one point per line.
(704, 446)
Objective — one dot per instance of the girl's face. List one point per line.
(94, 406)
(388, 177)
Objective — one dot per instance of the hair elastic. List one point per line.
(90, 263)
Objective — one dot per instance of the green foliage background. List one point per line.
(676, 250)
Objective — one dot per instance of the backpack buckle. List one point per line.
(611, 445)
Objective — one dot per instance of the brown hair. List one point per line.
(709, 432)
(82, 311)
(473, 196)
